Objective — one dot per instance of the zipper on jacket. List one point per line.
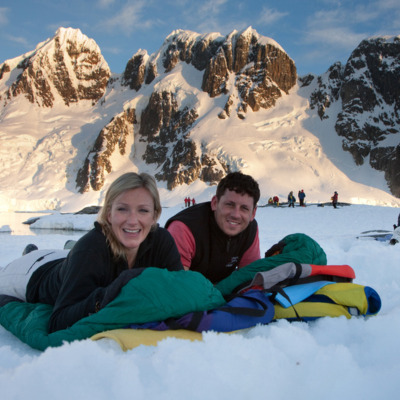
(228, 244)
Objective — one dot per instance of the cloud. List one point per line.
(19, 40)
(269, 16)
(340, 37)
(203, 16)
(129, 18)
(337, 27)
(3, 16)
(212, 7)
(344, 26)
(105, 3)
(388, 4)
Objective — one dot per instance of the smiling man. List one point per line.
(217, 237)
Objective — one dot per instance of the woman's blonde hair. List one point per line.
(128, 181)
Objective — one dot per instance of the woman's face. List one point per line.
(131, 217)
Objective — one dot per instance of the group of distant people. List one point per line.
(291, 199)
(274, 200)
(189, 202)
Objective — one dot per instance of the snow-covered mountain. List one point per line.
(200, 106)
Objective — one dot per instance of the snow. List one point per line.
(330, 358)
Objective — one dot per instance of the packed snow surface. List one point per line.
(332, 358)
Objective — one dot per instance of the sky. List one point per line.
(315, 34)
(330, 359)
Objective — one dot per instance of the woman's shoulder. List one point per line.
(161, 233)
(94, 238)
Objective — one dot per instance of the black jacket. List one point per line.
(217, 254)
(90, 276)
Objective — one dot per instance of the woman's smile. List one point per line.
(131, 217)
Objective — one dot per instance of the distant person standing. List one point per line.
(334, 199)
(302, 195)
(291, 199)
(193, 202)
(276, 200)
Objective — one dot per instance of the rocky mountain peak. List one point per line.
(261, 70)
(187, 112)
(68, 66)
(368, 88)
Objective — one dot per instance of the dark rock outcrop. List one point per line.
(368, 87)
(112, 138)
(328, 90)
(137, 71)
(166, 129)
(370, 115)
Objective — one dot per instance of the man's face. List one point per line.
(233, 211)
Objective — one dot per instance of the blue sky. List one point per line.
(315, 33)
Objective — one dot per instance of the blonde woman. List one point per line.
(125, 239)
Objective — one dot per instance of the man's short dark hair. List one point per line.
(239, 183)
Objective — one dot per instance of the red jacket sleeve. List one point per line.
(184, 242)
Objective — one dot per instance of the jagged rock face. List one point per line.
(134, 72)
(370, 114)
(70, 63)
(216, 75)
(388, 159)
(112, 138)
(137, 72)
(166, 130)
(371, 82)
(328, 91)
(369, 89)
(262, 70)
(4, 69)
